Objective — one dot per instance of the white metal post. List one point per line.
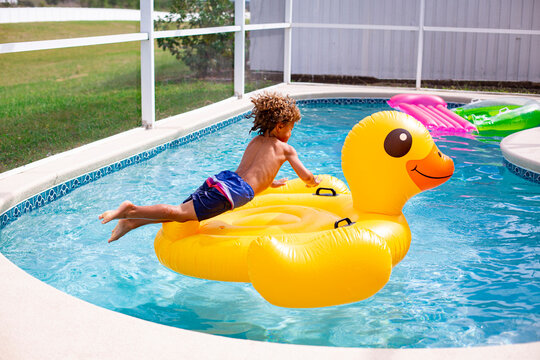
(287, 56)
(239, 48)
(148, 101)
(420, 53)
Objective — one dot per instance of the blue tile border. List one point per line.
(350, 101)
(65, 188)
(521, 172)
(340, 101)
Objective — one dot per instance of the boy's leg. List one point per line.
(126, 225)
(162, 212)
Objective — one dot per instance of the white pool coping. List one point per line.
(523, 149)
(38, 321)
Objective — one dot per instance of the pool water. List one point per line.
(469, 279)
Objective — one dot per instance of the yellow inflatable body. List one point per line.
(310, 247)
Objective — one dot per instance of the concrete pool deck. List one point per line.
(40, 322)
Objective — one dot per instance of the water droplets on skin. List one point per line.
(470, 277)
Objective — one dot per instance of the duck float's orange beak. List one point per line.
(431, 171)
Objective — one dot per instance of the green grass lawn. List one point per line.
(55, 100)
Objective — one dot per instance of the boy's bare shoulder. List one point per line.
(287, 149)
(261, 142)
(257, 141)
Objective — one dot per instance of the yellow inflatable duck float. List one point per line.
(303, 247)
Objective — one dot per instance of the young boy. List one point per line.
(275, 117)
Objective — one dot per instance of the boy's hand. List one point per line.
(279, 183)
(316, 182)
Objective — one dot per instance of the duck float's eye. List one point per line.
(398, 143)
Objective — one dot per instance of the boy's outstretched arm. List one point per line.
(300, 170)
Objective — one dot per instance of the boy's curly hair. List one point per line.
(271, 109)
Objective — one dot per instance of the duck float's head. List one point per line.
(389, 157)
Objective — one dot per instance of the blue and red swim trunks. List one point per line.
(222, 192)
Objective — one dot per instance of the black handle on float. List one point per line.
(349, 222)
(318, 192)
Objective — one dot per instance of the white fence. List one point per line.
(22, 15)
(335, 20)
(488, 40)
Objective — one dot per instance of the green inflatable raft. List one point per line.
(502, 116)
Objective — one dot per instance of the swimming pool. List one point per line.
(484, 293)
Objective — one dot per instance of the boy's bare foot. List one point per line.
(116, 214)
(122, 228)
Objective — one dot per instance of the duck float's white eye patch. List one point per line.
(398, 143)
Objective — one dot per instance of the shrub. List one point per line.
(204, 54)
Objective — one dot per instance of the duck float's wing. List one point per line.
(183, 248)
(297, 186)
(326, 268)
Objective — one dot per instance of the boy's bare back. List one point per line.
(263, 158)
(261, 161)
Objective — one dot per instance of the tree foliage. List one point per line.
(204, 54)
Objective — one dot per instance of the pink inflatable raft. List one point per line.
(431, 111)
